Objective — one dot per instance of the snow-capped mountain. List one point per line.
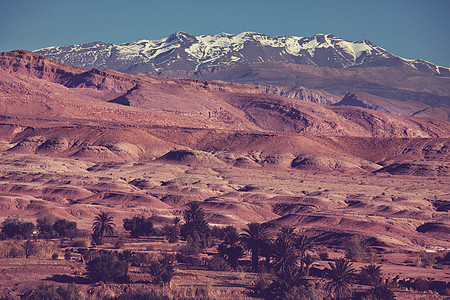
(184, 52)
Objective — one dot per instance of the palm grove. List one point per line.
(284, 262)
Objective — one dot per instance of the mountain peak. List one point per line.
(183, 51)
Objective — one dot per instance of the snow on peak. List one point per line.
(205, 51)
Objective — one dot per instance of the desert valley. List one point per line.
(355, 157)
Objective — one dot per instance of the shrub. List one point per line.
(119, 244)
(80, 242)
(217, 263)
(231, 254)
(421, 285)
(356, 249)
(171, 232)
(30, 248)
(54, 293)
(303, 292)
(11, 249)
(126, 255)
(261, 287)
(107, 268)
(140, 259)
(286, 280)
(138, 226)
(152, 295)
(323, 255)
(380, 292)
(14, 227)
(67, 255)
(55, 256)
(427, 260)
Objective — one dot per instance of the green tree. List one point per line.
(103, 224)
(15, 227)
(45, 227)
(254, 238)
(341, 274)
(65, 228)
(107, 268)
(138, 226)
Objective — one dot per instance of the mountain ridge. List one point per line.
(151, 100)
(182, 51)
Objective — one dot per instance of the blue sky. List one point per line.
(408, 28)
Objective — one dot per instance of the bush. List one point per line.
(261, 287)
(80, 242)
(356, 249)
(152, 295)
(54, 293)
(138, 226)
(217, 263)
(55, 256)
(14, 227)
(16, 251)
(108, 268)
(119, 244)
(380, 292)
(171, 232)
(126, 255)
(140, 259)
(323, 255)
(30, 248)
(421, 285)
(427, 260)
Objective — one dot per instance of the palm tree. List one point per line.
(286, 280)
(341, 274)
(253, 238)
(193, 213)
(283, 249)
(176, 225)
(195, 221)
(287, 234)
(303, 244)
(370, 275)
(103, 224)
(233, 254)
(230, 236)
(308, 261)
(381, 292)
